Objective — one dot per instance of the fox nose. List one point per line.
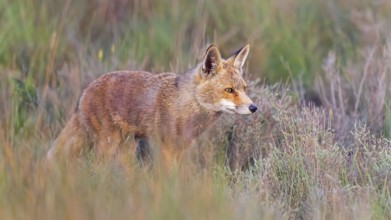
(253, 108)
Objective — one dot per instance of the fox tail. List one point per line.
(71, 142)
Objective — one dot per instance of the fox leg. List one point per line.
(162, 153)
(143, 151)
(171, 157)
(108, 144)
(122, 145)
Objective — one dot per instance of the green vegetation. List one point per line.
(294, 160)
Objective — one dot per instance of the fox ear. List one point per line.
(239, 57)
(212, 60)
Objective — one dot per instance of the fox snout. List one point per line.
(246, 109)
(253, 108)
(243, 109)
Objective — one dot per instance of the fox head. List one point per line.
(220, 84)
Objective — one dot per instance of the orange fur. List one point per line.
(166, 109)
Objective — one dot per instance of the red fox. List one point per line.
(167, 110)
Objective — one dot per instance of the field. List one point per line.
(319, 148)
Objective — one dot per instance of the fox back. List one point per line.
(166, 110)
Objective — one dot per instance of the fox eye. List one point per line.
(229, 90)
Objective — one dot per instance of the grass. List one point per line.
(319, 149)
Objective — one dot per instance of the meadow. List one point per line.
(319, 71)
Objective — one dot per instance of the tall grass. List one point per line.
(318, 149)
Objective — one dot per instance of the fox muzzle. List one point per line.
(253, 108)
